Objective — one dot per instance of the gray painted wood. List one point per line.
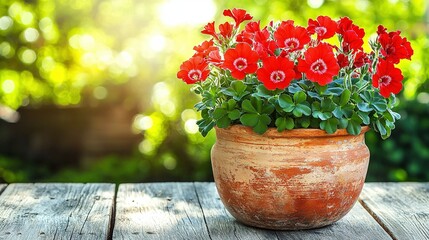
(56, 211)
(158, 211)
(358, 224)
(402, 208)
(220, 223)
(2, 187)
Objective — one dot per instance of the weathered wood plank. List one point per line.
(2, 187)
(358, 224)
(158, 211)
(403, 208)
(56, 211)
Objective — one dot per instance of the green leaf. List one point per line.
(268, 109)
(205, 125)
(249, 119)
(314, 95)
(388, 116)
(263, 92)
(299, 97)
(380, 106)
(200, 106)
(260, 128)
(219, 113)
(354, 125)
(248, 107)
(231, 104)
(327, 105)
(234, 114)
(305, 122)
(345, 97)
(343, 123)
(223, 122)
(239, 87)
(302, 109)
(335, 91)
(364, 117)
(330, 125)
(286, 103)
(283, 123)
(364, 107)
(338, 113)
(381, 128)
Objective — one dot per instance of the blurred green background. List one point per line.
(88, 88)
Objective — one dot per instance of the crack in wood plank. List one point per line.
(202, 210)
(376, 218)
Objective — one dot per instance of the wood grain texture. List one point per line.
(357, 224)
(402, 208)
(56, 211)
(158, 211)
(2, 187)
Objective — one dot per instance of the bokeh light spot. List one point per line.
(8, 86)
(27, 18)
(100, 92)
(28, 56)
(30, 34)
(6, 50)
(315, 3)
(191, 126)
(5, 23)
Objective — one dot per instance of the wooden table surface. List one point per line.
(191, 211)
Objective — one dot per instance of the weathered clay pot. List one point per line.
(297, 179)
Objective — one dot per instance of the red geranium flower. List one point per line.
(343, 60)
(291, 37)
(352, 35)
(276, 72)
(215, 58)
(393, 46)
(324, 27)
(360, 59)
(241, 60)
(253, 27)
(194, 70)
(209, 29)
(204, 49)
(319, 64)
(245, 37)
(387, 78)
(345, 24)
(226, 29)
(239, 15)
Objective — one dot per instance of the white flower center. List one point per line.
(320, 30)
(240, 63)
(385, 80)
(194, 74)
(319, 66)
(277, 76)
(292, 43)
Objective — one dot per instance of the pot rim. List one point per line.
(298, 133)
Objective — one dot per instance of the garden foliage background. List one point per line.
(88, 88)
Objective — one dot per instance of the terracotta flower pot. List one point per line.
(297, 179)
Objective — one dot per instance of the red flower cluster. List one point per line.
(280, 53)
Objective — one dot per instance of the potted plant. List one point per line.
(290, 105)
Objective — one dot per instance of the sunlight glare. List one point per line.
(187, 12)
(157, 42)
(315, 3)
